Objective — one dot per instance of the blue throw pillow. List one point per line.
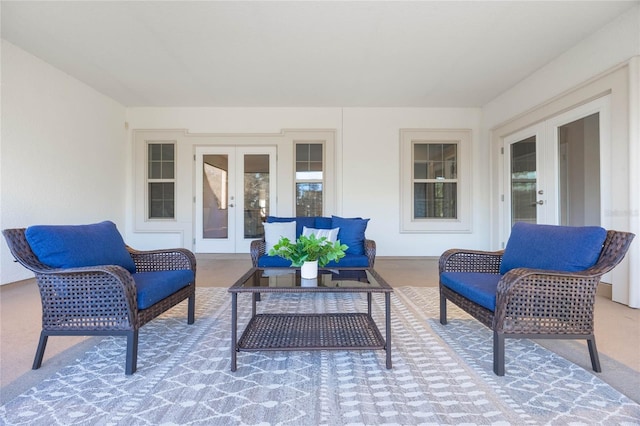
(550, 247)
(351, 233)
(73, 246)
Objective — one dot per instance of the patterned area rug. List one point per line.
(440, 375)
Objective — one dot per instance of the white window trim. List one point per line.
(461, 224)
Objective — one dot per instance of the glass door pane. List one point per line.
(523, 181)
(579, 172)
(256, 194)
(215, 191)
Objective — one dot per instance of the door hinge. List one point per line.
(194, 241)
(501, 197)
(502, 150)
(194, 199)
(194, 157)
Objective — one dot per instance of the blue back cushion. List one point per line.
(550, 247)
(351, 233)
(72, 246)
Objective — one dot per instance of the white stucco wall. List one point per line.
(367, 166)
(62, 151)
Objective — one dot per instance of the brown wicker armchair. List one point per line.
(533, 303)
(69, 296)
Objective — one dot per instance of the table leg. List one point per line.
(234, 331)
(369, 303)
(387, 308)
(254, 297)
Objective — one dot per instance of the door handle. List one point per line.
(541, 202)
(230, 205)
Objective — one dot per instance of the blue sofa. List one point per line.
(91, 283)
(361, 252)
(543, 285)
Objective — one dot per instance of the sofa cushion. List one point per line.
(276, 230)
(351, 233)
(323, 222)
(153, 287)
(330, 234)
(73, 246)
(478, 287)
(266, 261)
(551, 247)
(349, 261)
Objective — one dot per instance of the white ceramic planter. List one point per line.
(309, 269)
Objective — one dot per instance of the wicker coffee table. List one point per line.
(316, 331)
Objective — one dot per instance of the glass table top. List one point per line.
(289, 279)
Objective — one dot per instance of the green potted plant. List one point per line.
(309, 252)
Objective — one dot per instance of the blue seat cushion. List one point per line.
(73, 246)
(351, 233)
(478, 287)
(266, 261)
(550, 247)
(349, 261)
(152, 287)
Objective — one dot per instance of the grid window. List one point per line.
(161, 180)
(309, 179)
(435, 191)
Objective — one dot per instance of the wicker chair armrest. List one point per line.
(370, 251)
(111, 285)
(527, 298)
(456, 260)
(163, 260)
(257, 249)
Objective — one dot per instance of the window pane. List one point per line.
(155, 152)
(421, 151)
(435, 200)
(420, 170)
(435, 152)
(161, 200)
(167, 152)
(167, 170)
(315, 152)
(309, 199)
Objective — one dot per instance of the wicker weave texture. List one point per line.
(311, 331)
(99, 299)
(536, 303)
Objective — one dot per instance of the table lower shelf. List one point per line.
(311, 331)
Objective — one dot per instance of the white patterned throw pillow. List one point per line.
(275, 230)
(330, 234)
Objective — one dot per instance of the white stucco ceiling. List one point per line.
(302, 53)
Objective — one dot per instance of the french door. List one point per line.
(554, 169)
(235, 191)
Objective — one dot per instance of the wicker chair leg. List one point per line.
(132, 352)
(443, 310)
(593, 353)
(191, 313)
(498, 353)
(37, 362)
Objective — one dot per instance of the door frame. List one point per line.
(235, 241)
(546, 132)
